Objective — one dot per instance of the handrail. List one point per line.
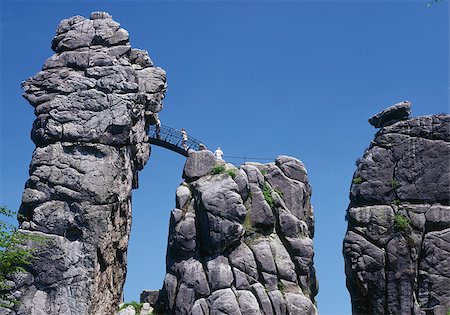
(172, 139)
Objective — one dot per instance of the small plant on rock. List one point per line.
(394, 183)
(401, 223)
(268, 195)
(231, 172)
(281, 286)
(357, 180)
(218, 169)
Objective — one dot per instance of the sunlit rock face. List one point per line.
(397, 246)
(94, 100)
(240, 240)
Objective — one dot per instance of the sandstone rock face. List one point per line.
(396, 249)
(240, 240)
(93, 99)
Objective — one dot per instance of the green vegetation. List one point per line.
(264, 172)
(357, 180)
(231, 172)
(394, 183)
(401, 223)
(221, 169)
(13, 255)
(396, 202)
(268, 195)
(281, 286)
(218, 169)
(137, 306)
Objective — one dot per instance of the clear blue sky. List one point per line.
(259, 79)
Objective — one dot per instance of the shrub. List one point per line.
(218, 169)
(268, 195)
(396, 202)
(264, 172)
(13, 255)
(401, 223)
(357, 180)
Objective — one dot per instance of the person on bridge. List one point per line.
(184, 138)
(158, 127)
(218, 153)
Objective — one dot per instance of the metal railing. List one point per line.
(172, 139)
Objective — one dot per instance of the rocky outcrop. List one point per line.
(240, 240)
(397, 245)
(94, 99)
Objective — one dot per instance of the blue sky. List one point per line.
(259, 79)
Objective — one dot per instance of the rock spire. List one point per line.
(397, 245)
(240, 240)
(94, 100)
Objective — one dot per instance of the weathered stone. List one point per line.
(261, 215)
(200, 307)
(220, 212)
(434, 268)
(233, 271)
(247, 303)
(223, 302)
(391, 115)
(283, 261)
(263, 255)
(220, 275)
(242, 182)
(90, 101)
(292, 168)
(149, 296)
(278, 302)
(184, 300)
(198, 164)
(299, 304)
(262, 297)
(183, 195)
(365, 270)
(394, 249)
(193, 275)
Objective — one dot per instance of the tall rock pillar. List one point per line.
(397, 245)
(240, 240)
(93, 99)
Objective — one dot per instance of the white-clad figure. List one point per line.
(184, 138)
(218, 153)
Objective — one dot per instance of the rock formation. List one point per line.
(397, 245)
(94, 99)
(240, 240)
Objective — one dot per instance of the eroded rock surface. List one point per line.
(240, 240)
(396, 250)
(93, 99)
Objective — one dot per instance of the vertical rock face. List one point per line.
(240, 240)
(397, 246)
(93, 99)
